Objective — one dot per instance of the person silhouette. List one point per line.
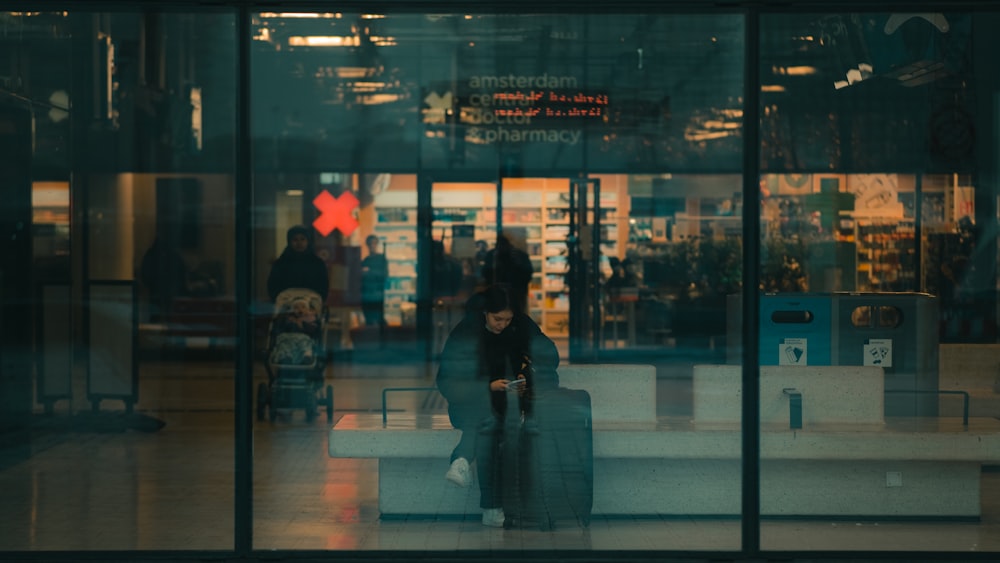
(510, 265)
(374, 272)
(298, 266)
(165, 274)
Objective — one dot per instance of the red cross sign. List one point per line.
(335, 213)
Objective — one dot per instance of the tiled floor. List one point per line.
(79, 490)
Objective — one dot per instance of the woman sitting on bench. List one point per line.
(493, 346)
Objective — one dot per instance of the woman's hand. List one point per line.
(521, 388)
(499, 384)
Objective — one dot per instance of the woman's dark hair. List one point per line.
(497, 298)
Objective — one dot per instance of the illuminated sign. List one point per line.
(514, 108)
(335, 213)
(541, 104)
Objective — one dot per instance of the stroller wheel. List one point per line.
(329, 403)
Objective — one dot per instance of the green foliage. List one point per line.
(703, 269)
(781, 265)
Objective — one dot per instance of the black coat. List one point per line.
(510, 266)
(473, 357)
(298, 270)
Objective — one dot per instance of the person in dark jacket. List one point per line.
(165, 274)
(508, 264)
(298, 266)
(493, 345)
(446, 272)
(374, 273)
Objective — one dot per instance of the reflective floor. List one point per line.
(109, 482)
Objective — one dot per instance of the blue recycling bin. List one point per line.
(796, 329)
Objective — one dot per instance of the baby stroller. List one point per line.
(296, 359)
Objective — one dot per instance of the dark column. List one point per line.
(16, 295)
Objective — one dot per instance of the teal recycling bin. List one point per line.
(796, 329)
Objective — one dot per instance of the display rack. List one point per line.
(886, 254)
(536, 210)
(396, 226)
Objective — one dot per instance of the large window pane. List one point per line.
(606, 151)
(118, 310)
(878, 267)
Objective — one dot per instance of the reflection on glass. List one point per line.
(128, 442)
(445, 137)
(869, 216)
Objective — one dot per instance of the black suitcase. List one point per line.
(549, 463)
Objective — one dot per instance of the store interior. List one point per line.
(669, 244)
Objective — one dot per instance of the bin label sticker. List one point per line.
(878, 352)
(793, 352)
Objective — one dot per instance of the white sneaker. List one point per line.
(458, 473)
(493, 517)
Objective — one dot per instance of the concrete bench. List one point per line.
(975, 369)
(413, 449)
(848, 459)
(845, 460)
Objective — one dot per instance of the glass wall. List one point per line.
(118, 314)
(248, 283)
(564, 155)
(878, 256)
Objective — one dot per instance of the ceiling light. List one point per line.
(353, 72)
(323, 41)
(361, 86)
(800, 70)
(301, 15)
(376, 99)
(854, 75)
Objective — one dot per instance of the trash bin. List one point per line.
(898, 332)
(795, 329)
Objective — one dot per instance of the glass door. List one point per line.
(464, 227)
(583, 243)
(549, 238)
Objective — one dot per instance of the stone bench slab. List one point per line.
(835, 465)
(413, 436)
(675, 468)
